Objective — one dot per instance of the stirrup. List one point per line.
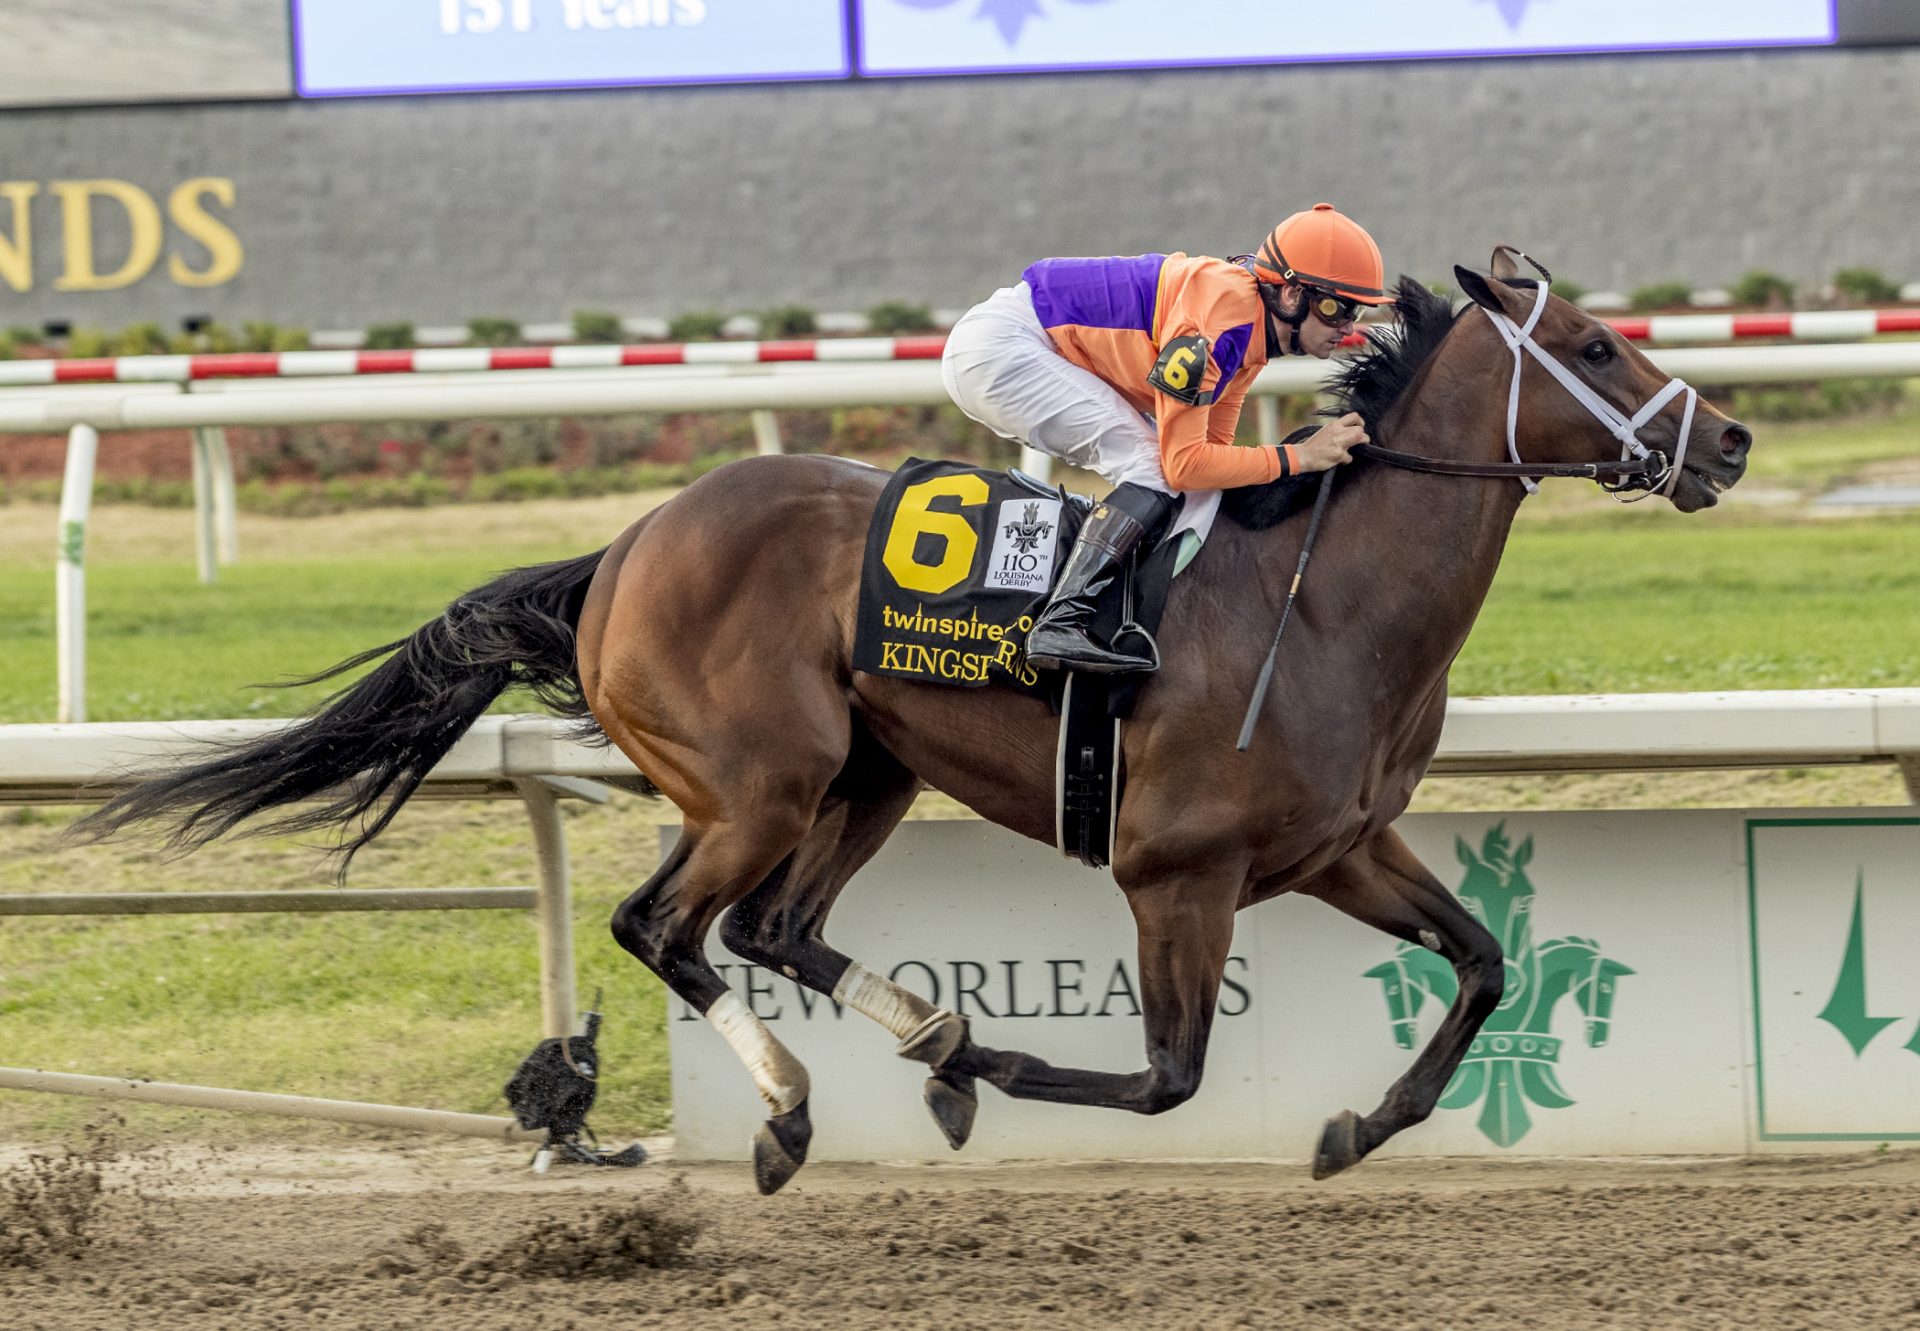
(1133, 629)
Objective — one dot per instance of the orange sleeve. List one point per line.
(1191, 461)
(1223, 421)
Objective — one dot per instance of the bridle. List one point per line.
(1640, 468)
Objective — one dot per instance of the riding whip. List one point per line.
(1286, 611)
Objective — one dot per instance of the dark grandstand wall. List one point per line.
(1617, 171)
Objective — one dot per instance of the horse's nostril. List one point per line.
(1736, 441)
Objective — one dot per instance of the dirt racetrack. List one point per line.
(405, 1235)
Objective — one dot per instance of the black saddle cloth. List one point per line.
(959, 560)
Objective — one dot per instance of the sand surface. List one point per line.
(402, 1235)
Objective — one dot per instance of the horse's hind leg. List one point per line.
(665, 924)
(778, 925)
(1185, 926)
(1381, 883)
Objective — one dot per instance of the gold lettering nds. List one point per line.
(210, 255)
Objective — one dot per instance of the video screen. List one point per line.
(350, 47)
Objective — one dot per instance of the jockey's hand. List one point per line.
(1328, 446)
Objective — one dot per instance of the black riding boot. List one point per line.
(1059, 638)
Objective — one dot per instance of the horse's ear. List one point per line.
(1485, 291)
(1506, 262)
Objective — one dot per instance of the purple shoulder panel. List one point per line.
(1230, 352)
(1096, 293)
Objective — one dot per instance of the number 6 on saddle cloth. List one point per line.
(958, 561)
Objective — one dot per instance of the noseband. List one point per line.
(1640, 468)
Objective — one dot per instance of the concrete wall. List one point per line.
(1615, 170)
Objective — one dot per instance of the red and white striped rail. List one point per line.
(1806, 325)
(453, 360)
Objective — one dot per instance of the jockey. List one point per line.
(1137, 369)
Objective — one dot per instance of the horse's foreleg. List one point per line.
(665, 924)
(1381, 883)
(779, 926)
(1186, 929)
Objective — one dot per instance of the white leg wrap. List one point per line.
(899, 1010)
(781, 1077)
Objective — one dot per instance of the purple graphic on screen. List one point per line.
(1010, 16)
(1513, 11)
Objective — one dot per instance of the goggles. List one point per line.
(1330, 308)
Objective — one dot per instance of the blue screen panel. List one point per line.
(346, 47)
(980, 36)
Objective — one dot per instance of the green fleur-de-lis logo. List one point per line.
(1510, 1064)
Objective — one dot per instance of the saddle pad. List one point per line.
(956, 560)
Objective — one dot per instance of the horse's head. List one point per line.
(1606, 401)
(1496, 889)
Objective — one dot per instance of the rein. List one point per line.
(1586, 471)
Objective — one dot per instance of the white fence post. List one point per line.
(203, 521)
(554, 913)
(1036, 464)
(226, 529)
(766, 433)
(70, 573)
(1266, 410)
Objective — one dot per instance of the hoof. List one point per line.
(1339, 1145)
(951, 1101)
(935, 1039)
(780, 1148)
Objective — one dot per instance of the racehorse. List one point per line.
(711, 643)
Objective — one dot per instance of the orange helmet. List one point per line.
(1323, 247)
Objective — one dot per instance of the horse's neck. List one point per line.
(1425, 548)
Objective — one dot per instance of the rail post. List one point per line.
(553, 913)
(70, 572)
(203, 519)
(766, 433)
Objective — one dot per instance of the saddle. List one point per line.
(958, 561)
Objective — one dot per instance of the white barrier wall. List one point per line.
(1679, 982)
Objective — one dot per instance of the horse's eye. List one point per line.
(1598, 352)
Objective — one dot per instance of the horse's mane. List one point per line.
(1370, 384)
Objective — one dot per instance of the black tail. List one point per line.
(368, 748)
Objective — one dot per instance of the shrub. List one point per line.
(597, 326)
(696, 326)
(493, 331)
(1660, 295)
(1864, 286)
(258, 335)
(894, 316)
(22, 336)
(291, 339)
(212, 339)
(1767, 290)
(788, 321)
(87, 343)
(1572, 292)
(1817, 401)
(6, 346)
(389, 337)
(141, 339)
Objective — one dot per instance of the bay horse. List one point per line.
(711, 642)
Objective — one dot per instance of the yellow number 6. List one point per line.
(1178, 373)
(913, 519)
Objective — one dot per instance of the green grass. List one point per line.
(1608, 607)
(159, 645)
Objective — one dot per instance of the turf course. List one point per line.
(435, 1009)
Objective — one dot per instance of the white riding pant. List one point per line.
(1002, 369)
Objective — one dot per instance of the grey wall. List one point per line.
(1616, 171)
(54, 51)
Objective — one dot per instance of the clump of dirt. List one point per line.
(49, 1208)
(608, 1241)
